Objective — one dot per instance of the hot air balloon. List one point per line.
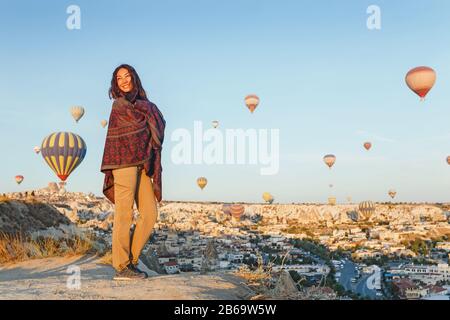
(392, 193)
(332, 201)
(104, 123)
(421, 80)
(367, 145)
(19, 179)
(329, 160)
(448, 159)
(349, 199)
(237, 210)
(330, 185)
(226, 209)
(202, 181)
(267, 197)
(215, 123)
(77, 112)
(367, 208)
(37, 149)
(63, 152)
(252, 102)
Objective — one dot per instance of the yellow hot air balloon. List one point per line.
(77, 112)
(267, 197)
(202, 182)
(252, 102)
(332, 201)
(104, 123)
(215, 123)
(392, 193)
(329, 160)
(421, 80)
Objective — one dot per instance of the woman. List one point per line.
(132, 167)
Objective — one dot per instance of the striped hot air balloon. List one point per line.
(367, 145)
(19, 178)
(202, 182)
(77, 112)
(63, 152)
(421, 80)
(329, 160)
(367, 208)
(237, 210)
(252, 102)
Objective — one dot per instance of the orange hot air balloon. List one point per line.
(19, 179)
(392, 193)
(421, 80)
(252, 102)
(329, 160)
(237, 210)
(367, 145)
(448, 159)
(202, 181)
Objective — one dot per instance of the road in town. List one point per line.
(347, 273)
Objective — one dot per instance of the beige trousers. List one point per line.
(130, 185)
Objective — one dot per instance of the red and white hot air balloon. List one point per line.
(367, 145)
(252, 102)
(19, 179)
(329, 160)
(421, 80)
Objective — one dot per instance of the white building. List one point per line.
(429, 274)
(171, 267)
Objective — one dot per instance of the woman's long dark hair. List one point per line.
(138, 91)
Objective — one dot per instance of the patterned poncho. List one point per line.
(135, 137)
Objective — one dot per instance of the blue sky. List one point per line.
(325, 81)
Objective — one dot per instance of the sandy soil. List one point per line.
(48, 279)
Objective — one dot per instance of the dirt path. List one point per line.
(48, 278)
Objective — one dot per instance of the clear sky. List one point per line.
(325, 80)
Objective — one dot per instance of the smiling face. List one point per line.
(124, 80)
